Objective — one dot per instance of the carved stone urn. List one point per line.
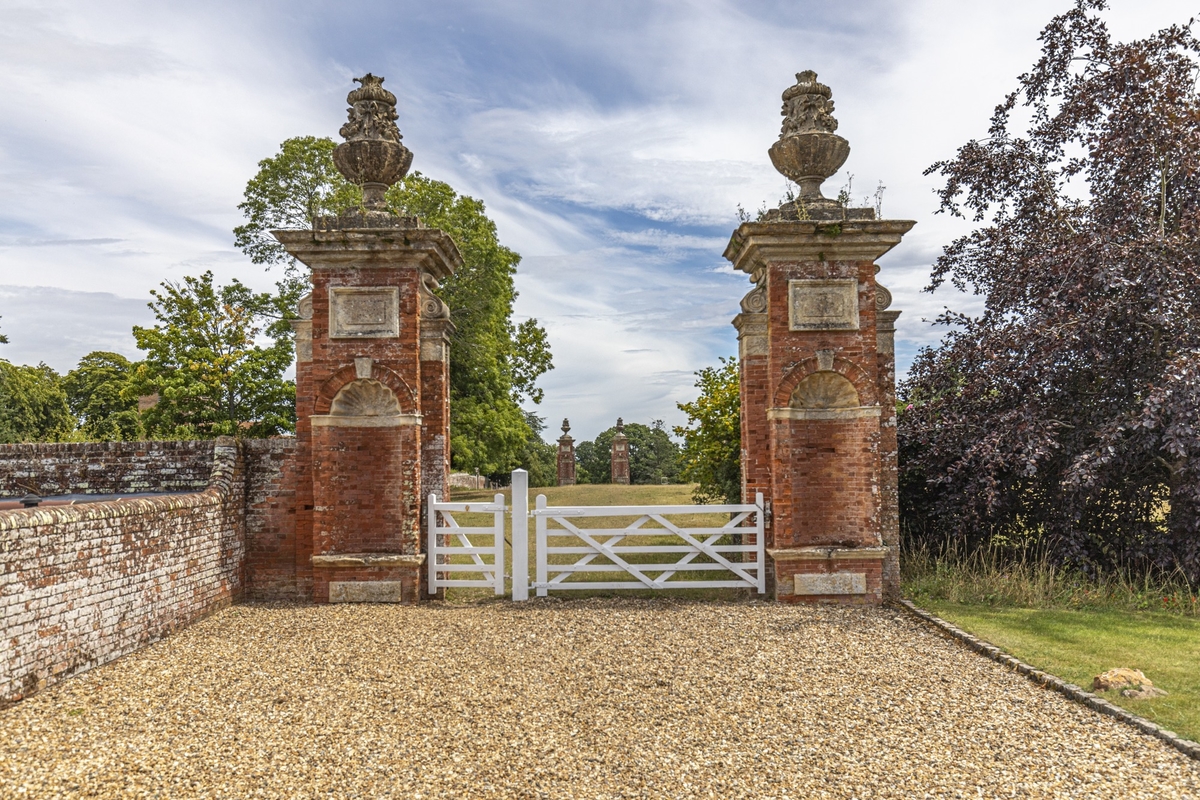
(808, 150)
(372, 155)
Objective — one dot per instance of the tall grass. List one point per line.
(996, 576)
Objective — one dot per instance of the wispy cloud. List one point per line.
(611, 142)
(59, 242)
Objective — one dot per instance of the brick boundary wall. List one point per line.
(105, 467)
(1054, 683)
(82, 585)
(277, 563)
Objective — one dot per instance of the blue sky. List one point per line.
(611, 141)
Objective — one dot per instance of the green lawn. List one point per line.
(1078, 644)
(597, 495)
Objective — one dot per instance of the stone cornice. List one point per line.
(425, 248)
(756, 244)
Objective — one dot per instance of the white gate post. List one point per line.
(498, 539)
(760, 539)
(432, 541)
(542, 572)
(520, 535)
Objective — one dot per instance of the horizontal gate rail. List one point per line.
(453, 551)
(617, 549)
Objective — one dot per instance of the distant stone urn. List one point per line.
(372, 155)
(808, 150)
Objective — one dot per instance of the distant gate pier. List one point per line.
(816, 350)
(566, 456)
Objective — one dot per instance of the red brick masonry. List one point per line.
(82, 585)
(817, 389)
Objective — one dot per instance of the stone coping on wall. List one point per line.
(105, 468)
(356, 560)
(219, 486)
(1048, 681)
(826, 553)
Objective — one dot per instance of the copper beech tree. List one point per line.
(1067, 414)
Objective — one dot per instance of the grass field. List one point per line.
(1078, 644)
(600, 495)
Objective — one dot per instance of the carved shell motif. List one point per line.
(824, 390)
(365, 398)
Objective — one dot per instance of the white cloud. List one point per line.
(611, 142)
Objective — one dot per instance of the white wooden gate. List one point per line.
(480, 561)
(652, 550)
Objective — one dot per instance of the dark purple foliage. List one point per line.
(1068, 413)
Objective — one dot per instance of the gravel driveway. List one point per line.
(576, 699)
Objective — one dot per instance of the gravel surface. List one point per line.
(576, 699)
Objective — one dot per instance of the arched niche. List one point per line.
(365, 397)
(824, 390)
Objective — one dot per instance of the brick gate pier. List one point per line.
(372, 374)
(818, 373)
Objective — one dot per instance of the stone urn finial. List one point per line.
(566, 426)
(620, 425)
(372, 155)
(808, 150)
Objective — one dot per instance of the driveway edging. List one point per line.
(1045, 679)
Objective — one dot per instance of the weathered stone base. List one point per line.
(847, 575)
(367, 578)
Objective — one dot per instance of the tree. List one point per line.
(712, 439)
(539, 457)
(33, 405)
(494, 364)
(291, 190)
(1067, 413)
(202, 360)
(99, 395)
(593, 459)
(653, 456)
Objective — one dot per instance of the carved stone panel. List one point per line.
(366, 591)
(823, 305)
(364, 312)
(831, 583)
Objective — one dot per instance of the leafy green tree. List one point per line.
(586, 464)
(539, 457)
(98, 393)
(594, 459)
(653, 456)
(712, 439)
(3, 339)
(33, 405)
(203, 360)
(291, 189)
(494, 364)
